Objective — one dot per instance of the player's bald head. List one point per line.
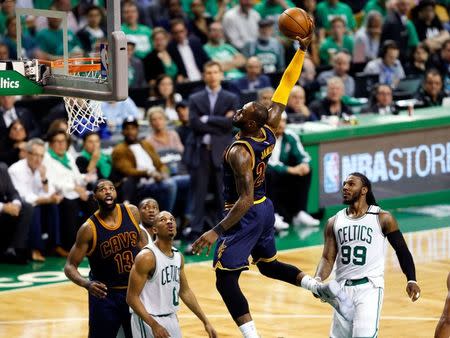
(260, 114)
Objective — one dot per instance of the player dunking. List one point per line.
(110, 240)
(355, 239)
(443, 326)
(248, 225)
(148, 209)
(157, 282)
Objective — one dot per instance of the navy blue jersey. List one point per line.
(113, 248)
(260, 149)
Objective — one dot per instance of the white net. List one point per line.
(84, 114)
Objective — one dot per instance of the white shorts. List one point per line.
(140, 329)
(368, 300)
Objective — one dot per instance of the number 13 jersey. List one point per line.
(361, 246)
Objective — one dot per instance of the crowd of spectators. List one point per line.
(191, 64)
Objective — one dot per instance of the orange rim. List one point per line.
(76, 65)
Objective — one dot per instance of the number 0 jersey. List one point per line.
(113, 248)
(160, 292)
(361, 246)
(260, 150)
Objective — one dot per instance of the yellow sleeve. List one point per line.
(290, 78)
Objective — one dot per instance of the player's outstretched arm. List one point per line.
(395, 238)
(143, 268)
(287, 82)
(77, 253)
(443, 326)
(188, 298)
(241, 162)
(329, 252)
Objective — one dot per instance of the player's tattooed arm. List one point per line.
(242, 164)
(79, 250)
(329, 253)
(240, 161)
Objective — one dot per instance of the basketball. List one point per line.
(295, 22)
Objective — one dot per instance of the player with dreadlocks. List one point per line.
(355, 238)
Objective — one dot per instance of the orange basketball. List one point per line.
(295, 22)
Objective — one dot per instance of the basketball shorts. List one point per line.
(368, 300)
(254, 235)
(107, 315)
(140, 329)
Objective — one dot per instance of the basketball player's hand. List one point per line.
(413, 291)
(97, 289)
(211, 332)
(159, 331)
(205, 241)
(304, 43)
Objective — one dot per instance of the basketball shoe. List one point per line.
(334, 294)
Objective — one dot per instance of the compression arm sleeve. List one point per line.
(404, 256)
(290, 78)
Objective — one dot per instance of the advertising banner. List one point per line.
(397, 164)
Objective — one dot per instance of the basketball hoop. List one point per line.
(84, 114)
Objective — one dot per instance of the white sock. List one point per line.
(248, 330)
(309, 283)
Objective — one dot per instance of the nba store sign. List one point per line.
(397, 164)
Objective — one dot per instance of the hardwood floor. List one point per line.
(279, 310)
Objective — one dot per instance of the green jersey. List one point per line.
(265, 9)
(224, 53)
(142, 37)
(330, 47)
(326, 12)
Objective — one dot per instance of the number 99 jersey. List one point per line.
(260, 150)
(361, 246)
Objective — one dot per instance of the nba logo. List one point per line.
(103, 61)
(331, 182)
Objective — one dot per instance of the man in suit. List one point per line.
(211, 111)
(15, 219)
(187, 52)
(9, 113)
(399, 28)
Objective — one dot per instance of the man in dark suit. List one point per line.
(187, 52)
(210, 114)
(9, 113)
(15, 219)
(399, 28)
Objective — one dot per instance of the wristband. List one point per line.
(411, 281)
(218, 229)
